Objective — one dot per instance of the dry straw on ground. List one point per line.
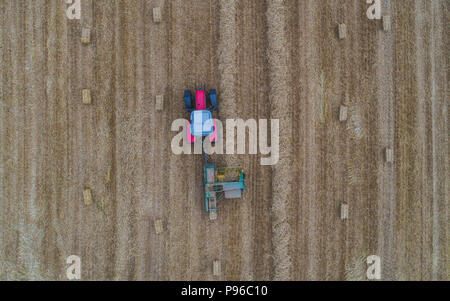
(280, 109)
(227, 56)
(228, 64)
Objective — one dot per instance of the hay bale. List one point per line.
(159, 102)
(342, 29)
(216, 268)
(157, 15)
(158, 226)
(344, 211)
(85, 36)
(86, 96)
(212, 215)
(387, 23)
(343, 113)
(87, 196)
(389, 155)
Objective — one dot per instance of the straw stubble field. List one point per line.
(268, 59)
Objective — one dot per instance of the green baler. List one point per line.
(219, 183)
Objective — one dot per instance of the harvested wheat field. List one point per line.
(96, 177)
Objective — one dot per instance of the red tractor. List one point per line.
(201, 123)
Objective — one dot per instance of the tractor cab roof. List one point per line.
(201, 123)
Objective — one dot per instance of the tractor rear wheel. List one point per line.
(188, 100)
